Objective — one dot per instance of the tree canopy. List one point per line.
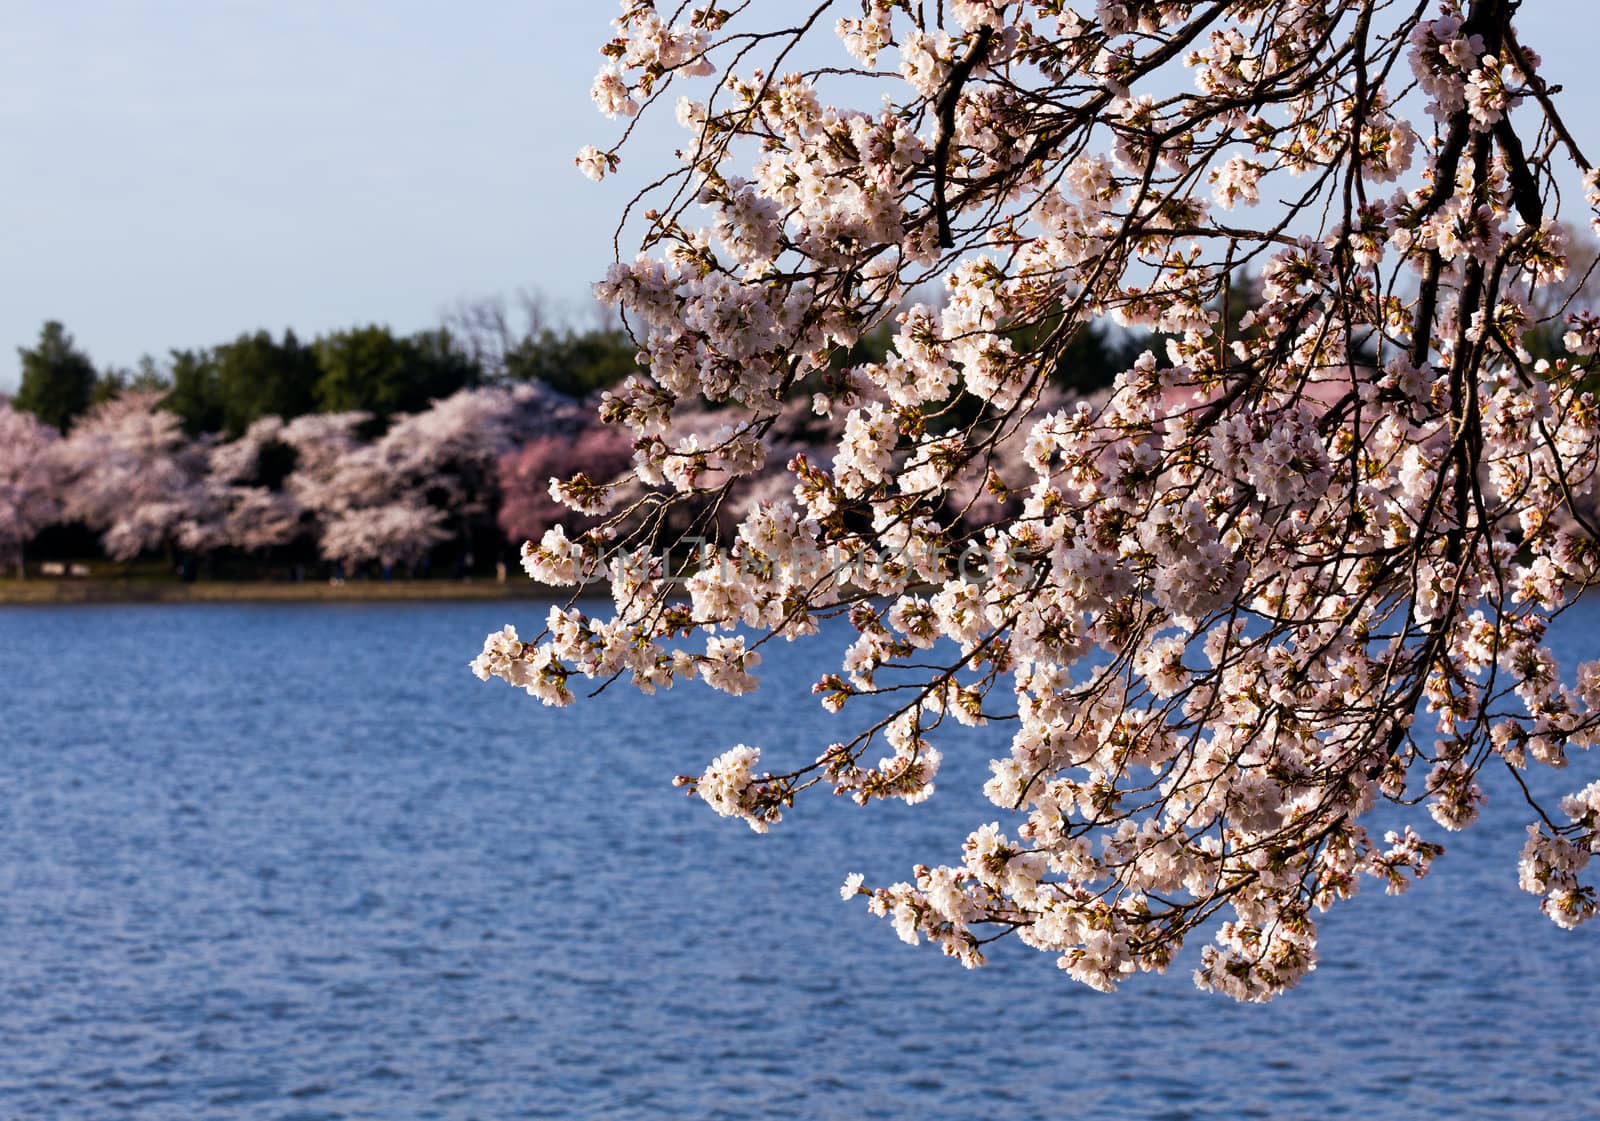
(58, 379)
(1297, 563)
(226, 388)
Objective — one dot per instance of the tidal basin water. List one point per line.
(295, 864)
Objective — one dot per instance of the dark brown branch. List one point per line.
(1541, 93)
(960, 71)
(1524, 190)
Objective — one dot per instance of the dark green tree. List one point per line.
(196, 393)
(113, 383)
(444, 364)
(1089, 361)
(373, 369)
(258, 376)
(573, 362)
(57, 378)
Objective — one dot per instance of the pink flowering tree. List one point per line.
(451, 451)
(1295, 564)
(523, 477)
(361, 508)
(245, 515)
(129, 471)
(29, 481)
(429, 478)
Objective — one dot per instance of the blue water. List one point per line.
(296, 864)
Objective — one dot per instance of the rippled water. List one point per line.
(294, 864)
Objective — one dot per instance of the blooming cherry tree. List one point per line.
(129, 471)
(363, 509)
(29, 484)
(1296, 563)
(527, 507)
(245, 515)
(391, 500)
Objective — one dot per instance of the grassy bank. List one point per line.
(44, 592)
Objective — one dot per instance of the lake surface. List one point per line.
(294, 863)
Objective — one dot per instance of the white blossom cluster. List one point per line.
(1299, 560)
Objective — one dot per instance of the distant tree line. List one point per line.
(223, 389)
(276, 453)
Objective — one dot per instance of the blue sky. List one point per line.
(178, 171)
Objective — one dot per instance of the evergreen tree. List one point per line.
(374, 370)
(57, 378)
(257, 376)
(572, 362)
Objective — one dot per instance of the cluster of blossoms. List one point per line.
(1294, 564)
(29, 498)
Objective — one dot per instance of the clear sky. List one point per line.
(178, 171)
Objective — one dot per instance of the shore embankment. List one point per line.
(44, 592)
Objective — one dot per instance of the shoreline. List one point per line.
(46, 592)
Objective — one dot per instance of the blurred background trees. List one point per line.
(58, 379)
